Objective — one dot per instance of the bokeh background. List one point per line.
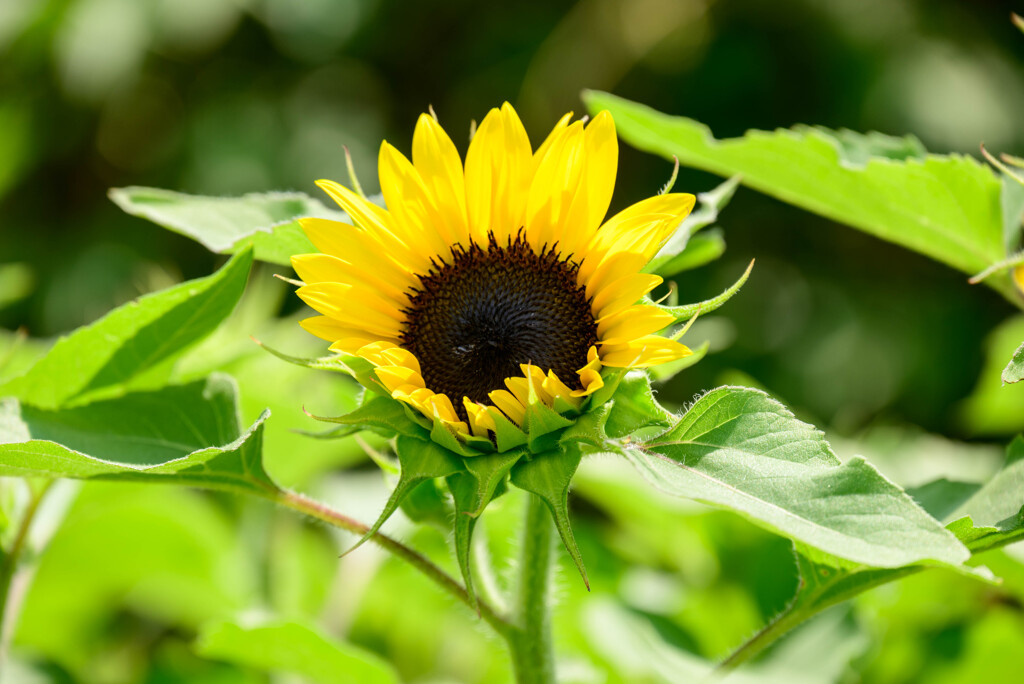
(895, 356)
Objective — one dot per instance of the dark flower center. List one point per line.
(473, 321)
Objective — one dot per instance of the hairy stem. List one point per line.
(315, 509)
(532, 652)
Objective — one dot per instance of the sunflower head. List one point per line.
(490, 308)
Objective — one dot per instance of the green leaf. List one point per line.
(993, 516)
(293, 648)
(132, 339)
(464, 489)
(184, 434)
(739, 449)
(1014, 371)
(548, 476)
(420, 460)
(942, 497)
(685, 249)
(946, 207)
(225, 225)
(634, 407)
(688, 311)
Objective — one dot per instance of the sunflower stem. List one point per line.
(532, 651)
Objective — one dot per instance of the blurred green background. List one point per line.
(896, 356)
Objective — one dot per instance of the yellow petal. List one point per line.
(357, 248)
(554, 185)
(324, 268)
(562, 124)
(377, 224)
(622, 293)
(397, 376)
(498, 172)
(632, 323)
(411, 205)
(590, 203)
(438, 163)
(480, 420)
(327, 328)
(651, 350)
(367, 313)
(509, 405)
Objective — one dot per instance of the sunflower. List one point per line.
(485, 287)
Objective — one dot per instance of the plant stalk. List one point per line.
(315, 509)
(532, 652)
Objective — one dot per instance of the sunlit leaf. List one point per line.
(185, 434)
(739, 449)
(944, 206)
(227, 224)
(994, 514)
(132, 339)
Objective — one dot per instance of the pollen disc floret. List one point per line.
(487, 287)
(474, 320)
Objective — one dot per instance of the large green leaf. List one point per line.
(993, 515)
(184, 434)
(132, 339)
(946, 207)
(739, 449)
(226, 224)
(290, 647)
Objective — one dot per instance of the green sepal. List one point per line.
(336, 432)
(417, 417)
(427, 503)
(506, 433)
(563, 406)
(463, 487)
(481, 444)
(634, 407)
(490, 471)
(547, 476)
(611, 377)
(441, 434)
(541, 423)
(667, 371)
(688, 311)
(354, 366)
(588, 429)
(380, 414)
(420, 460)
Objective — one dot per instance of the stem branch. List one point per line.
(315, 509)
